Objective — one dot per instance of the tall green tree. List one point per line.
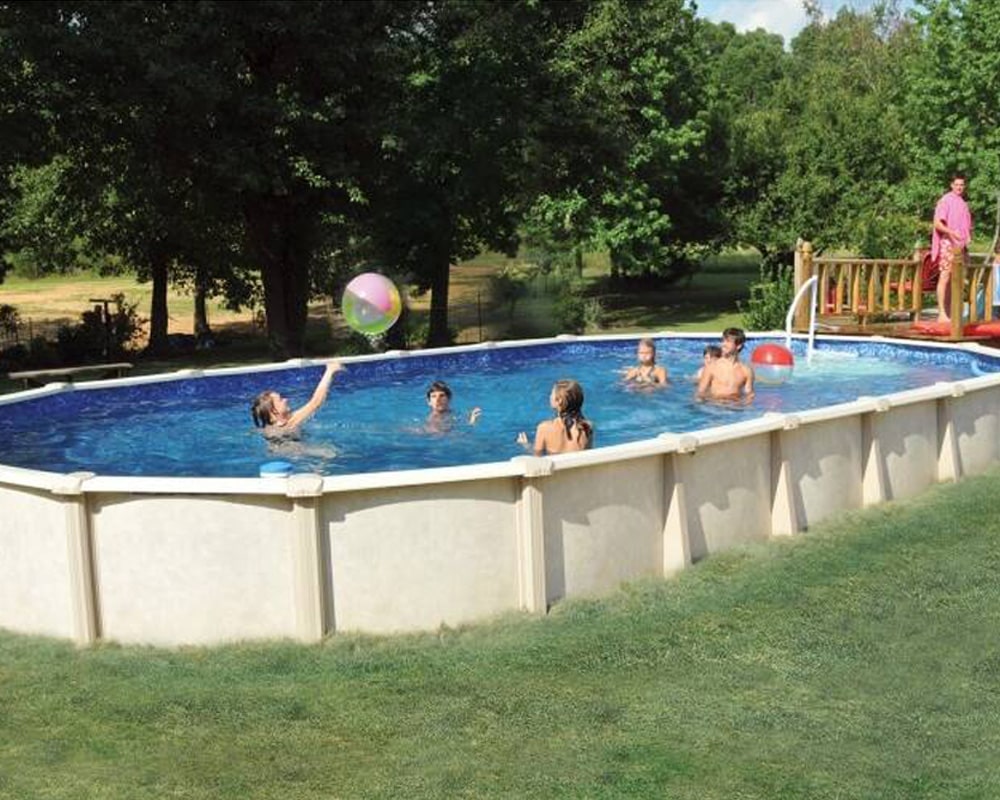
(748, 70)
(640, 176)
(213, 114)
(953, 102)
(122, 93)
(840, 105)
(455, 150)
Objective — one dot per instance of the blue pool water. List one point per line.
(374, 417)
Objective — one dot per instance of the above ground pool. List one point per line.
(136, 510)
(374, 418)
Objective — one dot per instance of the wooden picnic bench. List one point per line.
(39, 377)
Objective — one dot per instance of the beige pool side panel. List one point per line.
(200, 561)
(35, 562)
(416, 557)
(193, 569)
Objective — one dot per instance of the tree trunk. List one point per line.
(202, 330)
(158, 344)
(438, 334)
(396, 338)
(279, 234)
(578, 260)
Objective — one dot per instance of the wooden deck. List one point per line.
(885, 297)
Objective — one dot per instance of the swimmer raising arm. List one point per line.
(272, 412)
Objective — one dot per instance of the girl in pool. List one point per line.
(569, 431)
(271, 411)
(647, 371)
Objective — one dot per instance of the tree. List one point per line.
(952, 101)
(122, 95)
(747, 70)
(455, 149)
(839, 121)
(638, 175)
(225, 117)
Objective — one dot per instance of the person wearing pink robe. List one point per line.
(950, 238)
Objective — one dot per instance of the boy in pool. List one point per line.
(647, 371)
(727, 378)
(708, 355)
(441, 418)
(569, 431)
(272, 412)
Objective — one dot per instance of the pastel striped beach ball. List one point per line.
(371, 303)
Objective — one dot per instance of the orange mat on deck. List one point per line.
(991, 328)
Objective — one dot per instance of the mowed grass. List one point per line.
(859, 660)
(706, 302)
(54, 300)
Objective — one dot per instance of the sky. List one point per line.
(785, 17)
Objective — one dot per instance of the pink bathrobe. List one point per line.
(953, 211)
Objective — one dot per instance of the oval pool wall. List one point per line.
(190, 561)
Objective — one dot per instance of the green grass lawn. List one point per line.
(859, 660)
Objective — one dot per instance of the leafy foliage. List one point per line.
(575, 311)
(952, 90)
(770, 297)
(644, 186)
(266, 151)
(97, 336)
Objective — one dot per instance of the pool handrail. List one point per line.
(811, 283)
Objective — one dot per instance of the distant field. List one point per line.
(705, 303)
(59, 299)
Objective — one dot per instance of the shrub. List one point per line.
(10, 321)
(509, 285)
(95, 337)
(13, 358)
(575, 312)
(770, 297)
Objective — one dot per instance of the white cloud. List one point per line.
(784, 17)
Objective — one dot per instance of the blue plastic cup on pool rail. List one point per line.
(276, 469)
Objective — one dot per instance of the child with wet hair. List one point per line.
(441, 418)
(727, 378)
(570, 431)
(272, 412)
(708, 355)
(647, 371)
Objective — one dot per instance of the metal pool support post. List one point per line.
(304, 490)
(530, 528)
(676, 536)
(80, 558)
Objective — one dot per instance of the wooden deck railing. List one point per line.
(886, 290)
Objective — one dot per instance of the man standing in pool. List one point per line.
(727, 378)
(271, 411)
(441, 418)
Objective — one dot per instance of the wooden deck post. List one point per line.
(917, 284)
(955, 301)
(803, 272)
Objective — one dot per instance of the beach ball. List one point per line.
(371, 303)
(772, 363)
